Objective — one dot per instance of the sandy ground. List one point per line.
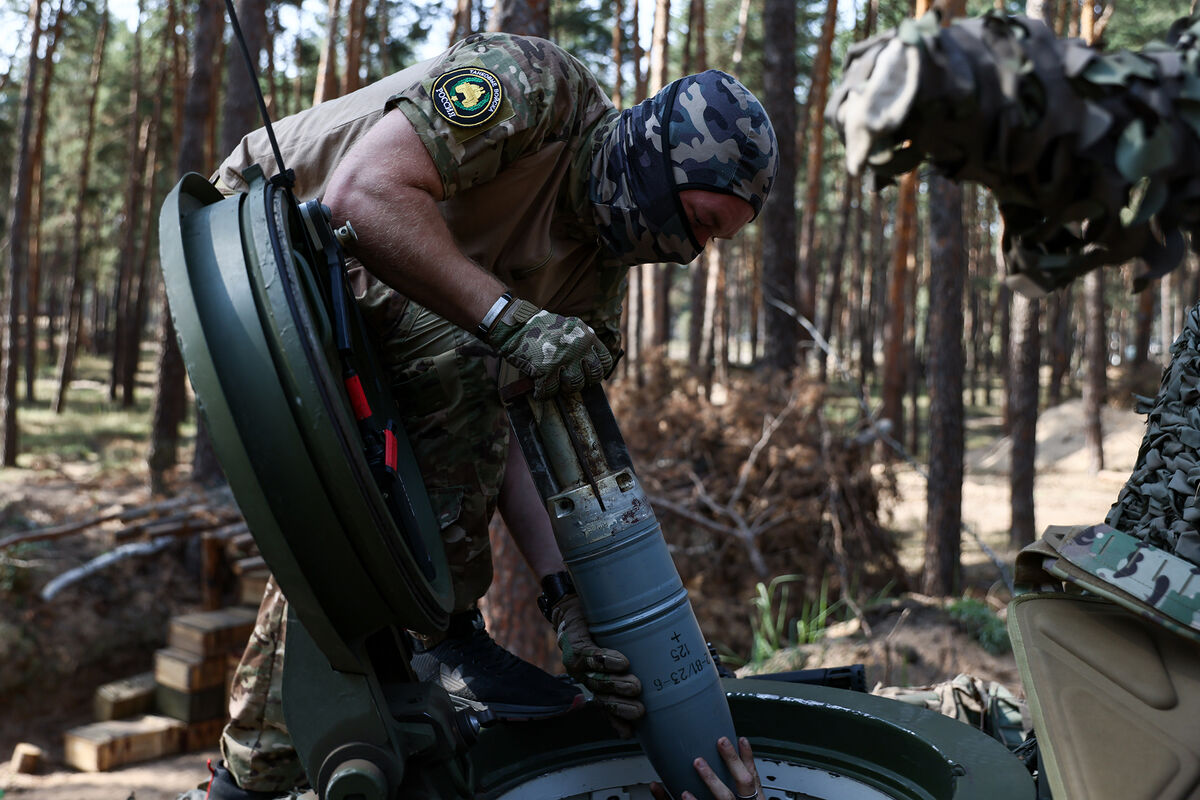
(155, 780)
(1065, 493)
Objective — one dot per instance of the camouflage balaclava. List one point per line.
(717, 137)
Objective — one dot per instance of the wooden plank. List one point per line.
(204, 735)
(101, 746)
(188, 672)
(211, 633)
(191, 706)
(127, 697)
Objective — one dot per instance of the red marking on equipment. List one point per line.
(358, 398)
(390, 451)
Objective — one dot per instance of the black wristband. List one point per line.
(555, 587)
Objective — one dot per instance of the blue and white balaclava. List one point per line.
(717, 137)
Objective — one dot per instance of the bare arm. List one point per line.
(526, 517)
(388, 187)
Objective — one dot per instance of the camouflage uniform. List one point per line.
(516, 203)
(537, 190)
(256, 740)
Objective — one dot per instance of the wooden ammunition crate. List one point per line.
(251, 585)
(127, 697)
(188, 672)
(204, 704)
(204, 735)
(101, 746)
(211, 633)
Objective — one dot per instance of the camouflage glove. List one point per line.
(604, 672)
(561, 354)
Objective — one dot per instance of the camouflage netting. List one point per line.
(1092, 157)
(1159, 502)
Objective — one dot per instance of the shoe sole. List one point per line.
(511, 712)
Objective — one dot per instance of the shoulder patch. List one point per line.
(467, 97)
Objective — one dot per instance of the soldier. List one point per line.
(499, 200)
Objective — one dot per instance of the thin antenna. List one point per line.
(285, 176)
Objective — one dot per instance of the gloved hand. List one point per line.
(604, 672)
(559, 353)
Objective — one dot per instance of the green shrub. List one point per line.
(981, 623)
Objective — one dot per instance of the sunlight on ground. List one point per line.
(1065, 493)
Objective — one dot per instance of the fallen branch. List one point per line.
(68, 528)
(744, 533)
(100, 562)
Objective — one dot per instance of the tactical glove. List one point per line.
(604, 672)
(561, 354)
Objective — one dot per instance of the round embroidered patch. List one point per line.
(467, 97)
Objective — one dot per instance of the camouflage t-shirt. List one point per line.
(511, 123)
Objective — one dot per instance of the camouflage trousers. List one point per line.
(444, 382)
(255, 744)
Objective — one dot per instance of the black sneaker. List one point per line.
(222, 786)
(480, 674)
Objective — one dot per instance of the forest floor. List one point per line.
(912, 640)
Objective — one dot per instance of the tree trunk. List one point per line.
(720, 333)
(640, 75)
(17, 248)
(356, 31)
(135, 158)
(137, 323)
(1143, 327)
(695, 51)
(74, 322)
(327, 79)
(656, 286)
(877, 263)
(816, 151)
(697, 324)
(382, 27)
(739, 45)
(34, 291)
(170, 400)
(914, 339)
(858, 294)
(1095, 385)
(1023, 412)
(1166, 317)
(833, 300)
(941, 574)
(275, 96)
(462, 20)
(1059, 354)
(895, 366)
(145, 241)
(525, 17)
(239, 114)
(617, 99)
(752, 251)
(779, 215)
